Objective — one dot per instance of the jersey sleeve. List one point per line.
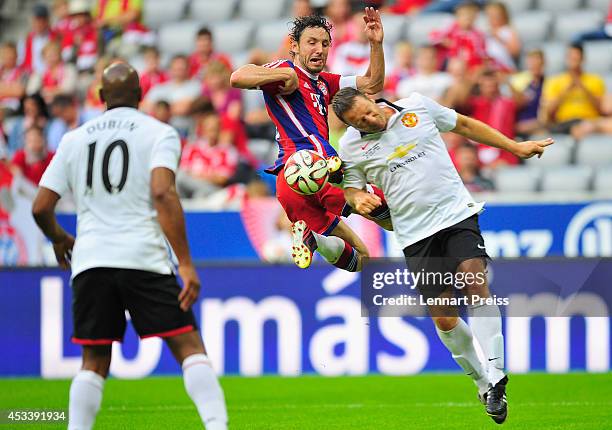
(337, 82)
(56, 176)
(444, 118)
(167, 151)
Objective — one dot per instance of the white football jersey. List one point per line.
(106, 164)
(410, 163)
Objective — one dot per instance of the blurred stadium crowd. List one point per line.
(526, 67)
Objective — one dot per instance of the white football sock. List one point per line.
(330, 247)
(486, 324)
(459, 342)
(203, 387)
(85, 399)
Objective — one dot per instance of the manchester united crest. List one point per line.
(410, 119)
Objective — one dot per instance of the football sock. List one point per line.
(85, 399)
(203, 387)
(459, 342)
(337, 251)
(486, 324)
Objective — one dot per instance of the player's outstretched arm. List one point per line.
(373, 80)
(43, 210)
(481, 132)
(250, 77)
(172, 221)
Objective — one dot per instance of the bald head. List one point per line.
(120, 86)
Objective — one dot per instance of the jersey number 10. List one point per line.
(105, 162)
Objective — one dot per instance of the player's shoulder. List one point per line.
(348, 143)
(414, 100)
(279, 63)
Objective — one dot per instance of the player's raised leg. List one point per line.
(87, 387)
(200, 379)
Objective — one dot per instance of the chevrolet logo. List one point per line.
(401, 151)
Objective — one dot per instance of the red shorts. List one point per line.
(320, 211)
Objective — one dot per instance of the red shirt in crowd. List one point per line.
(32, 171)
(201, 159)
(152, 78)
(402, 7)
(470, 45)
(197, 66)
(85, 40)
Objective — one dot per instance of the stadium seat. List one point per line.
(603, 179)
(239, 58)
(157, 12)
(554, 57)
(270, 35)
(594, 150)
(533, 26)
(178, 37)
(517, 179)
(598, 57)
(211, 11)
(395, 28)
(263, 149)
(569, 23)
(568, 178)
(233, 36)
(558, 154)
(515, 6)
(257, 10)
(420, 26)
(601, 5)
(558, 5)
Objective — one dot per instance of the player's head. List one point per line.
(310, 41)
(356, 110)
(120, 86)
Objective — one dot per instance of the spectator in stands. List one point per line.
(503, 42)
(153, 74)
(603, 33)
(12, 78)
(447, 6)
(462, 39)
(427, 80)
(405, 7)
(32, 113)
(402, 68)
(601, 125)
(31, 48)
(57, 77)
(527, 91)
(33, 159)
(93, 103)
(121, 28)
(217, 89)
(62, 24)
(179, 91)
(80, 44)
(496, 110)
(343, 30)
(352, 57)
(466, 161)
(204, 54)
(67, 116)
(207, 165)
(573, 95)
(460, 89)
(162, 111)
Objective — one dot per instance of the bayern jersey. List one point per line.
(301, 117)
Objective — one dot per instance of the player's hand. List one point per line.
(374, 27)
(365, 202)
(291, 83)
(63, 251)
(191, 286)
(530, 148)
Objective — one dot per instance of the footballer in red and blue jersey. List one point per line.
(301, 117)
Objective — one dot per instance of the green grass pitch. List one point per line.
(429, 401)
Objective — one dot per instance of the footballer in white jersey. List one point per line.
(398, 147)
(120, 170)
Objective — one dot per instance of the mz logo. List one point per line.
(589, 233)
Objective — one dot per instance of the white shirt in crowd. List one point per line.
(410, 163)
(433, 85)
(106, 164)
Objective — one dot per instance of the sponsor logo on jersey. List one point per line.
(410, 119)
(402, 150)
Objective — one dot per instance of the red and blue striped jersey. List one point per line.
(301, 117)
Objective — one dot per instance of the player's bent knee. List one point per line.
(446, 323)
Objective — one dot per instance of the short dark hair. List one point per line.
(63, 101)
(578, 47)
(162, 104)
(343, 101)
(204, 31)
(311, 21)
(180, 57)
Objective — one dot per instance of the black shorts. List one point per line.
(443, 251)
(101, 296)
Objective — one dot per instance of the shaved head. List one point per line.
(120, 86)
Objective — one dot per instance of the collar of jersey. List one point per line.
(390, 122)
(310, 75)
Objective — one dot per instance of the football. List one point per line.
(306, 172)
